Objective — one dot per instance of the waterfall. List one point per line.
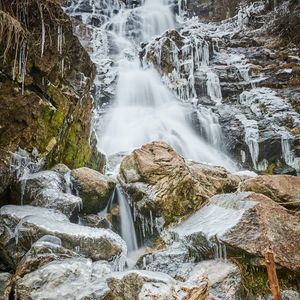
(144, 109)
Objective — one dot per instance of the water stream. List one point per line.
(144, 109)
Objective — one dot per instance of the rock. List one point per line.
(94, 188)
(46, 249)
(5, 285)
(68, 204)
(283, 189)
(95, 221)
(287, 295)
(23, 225)
(64, 279)
(61, 169)
(46, 189)
(55, 115)
(245, 222)
(154, 285)
(215, 179)
(175, 260)
(159, 180)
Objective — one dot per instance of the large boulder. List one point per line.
(47, 189)
(65, 279)
(160, 180)
(246, 223)
(175, 260)
(20, 226)
(46, 249)
(155, 285)
(283, 189)
(94, 188)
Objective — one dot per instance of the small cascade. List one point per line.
(127, 225)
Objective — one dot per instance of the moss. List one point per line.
(255, 279)
(49, 126)
(77, 153)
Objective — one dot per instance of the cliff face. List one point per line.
(45, 81)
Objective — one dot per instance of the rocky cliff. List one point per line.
(45, 81)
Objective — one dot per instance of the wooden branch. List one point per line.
(272, 275)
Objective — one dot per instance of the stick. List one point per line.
(272, 275)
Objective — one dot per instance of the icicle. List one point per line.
(43, 29)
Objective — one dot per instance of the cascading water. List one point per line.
(144, 109)
(127, 225)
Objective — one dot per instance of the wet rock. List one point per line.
(94, 188)
(216, 179)
(5, 285)
(158, 179)
(46, 189)
(170, 260)
(245, 222)
(46, 249)
(64, 279)
(154, 285)
(280, 188)
(95, 221)
(61, 169)
(23, 225)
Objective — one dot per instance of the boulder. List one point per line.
(47, 189)
(159, 180)
(23, 225)
(5, 285)
(65, 279)
(246, 223)
(175, 260)
(154, 285)
(94, 188)
(95, 221)
(46, 249)
(283, 189)
(216, 180)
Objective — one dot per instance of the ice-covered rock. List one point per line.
(94, 221)
(5, 285)
(23, 225)
(243, 222)
(46, 249)
(94, 188)
(49, 189)
(73, 278)
(283, 189)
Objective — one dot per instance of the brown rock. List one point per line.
(94, 188)
(160, 180)
(283, 189)
(217, 180)
(248, 224)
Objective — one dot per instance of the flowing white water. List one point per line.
(144, 109)
(127, 226)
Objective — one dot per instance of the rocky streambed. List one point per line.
(127, 132)
(205, 232)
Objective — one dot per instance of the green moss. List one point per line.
(255, 279)
(77, 152)
(49, 124)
